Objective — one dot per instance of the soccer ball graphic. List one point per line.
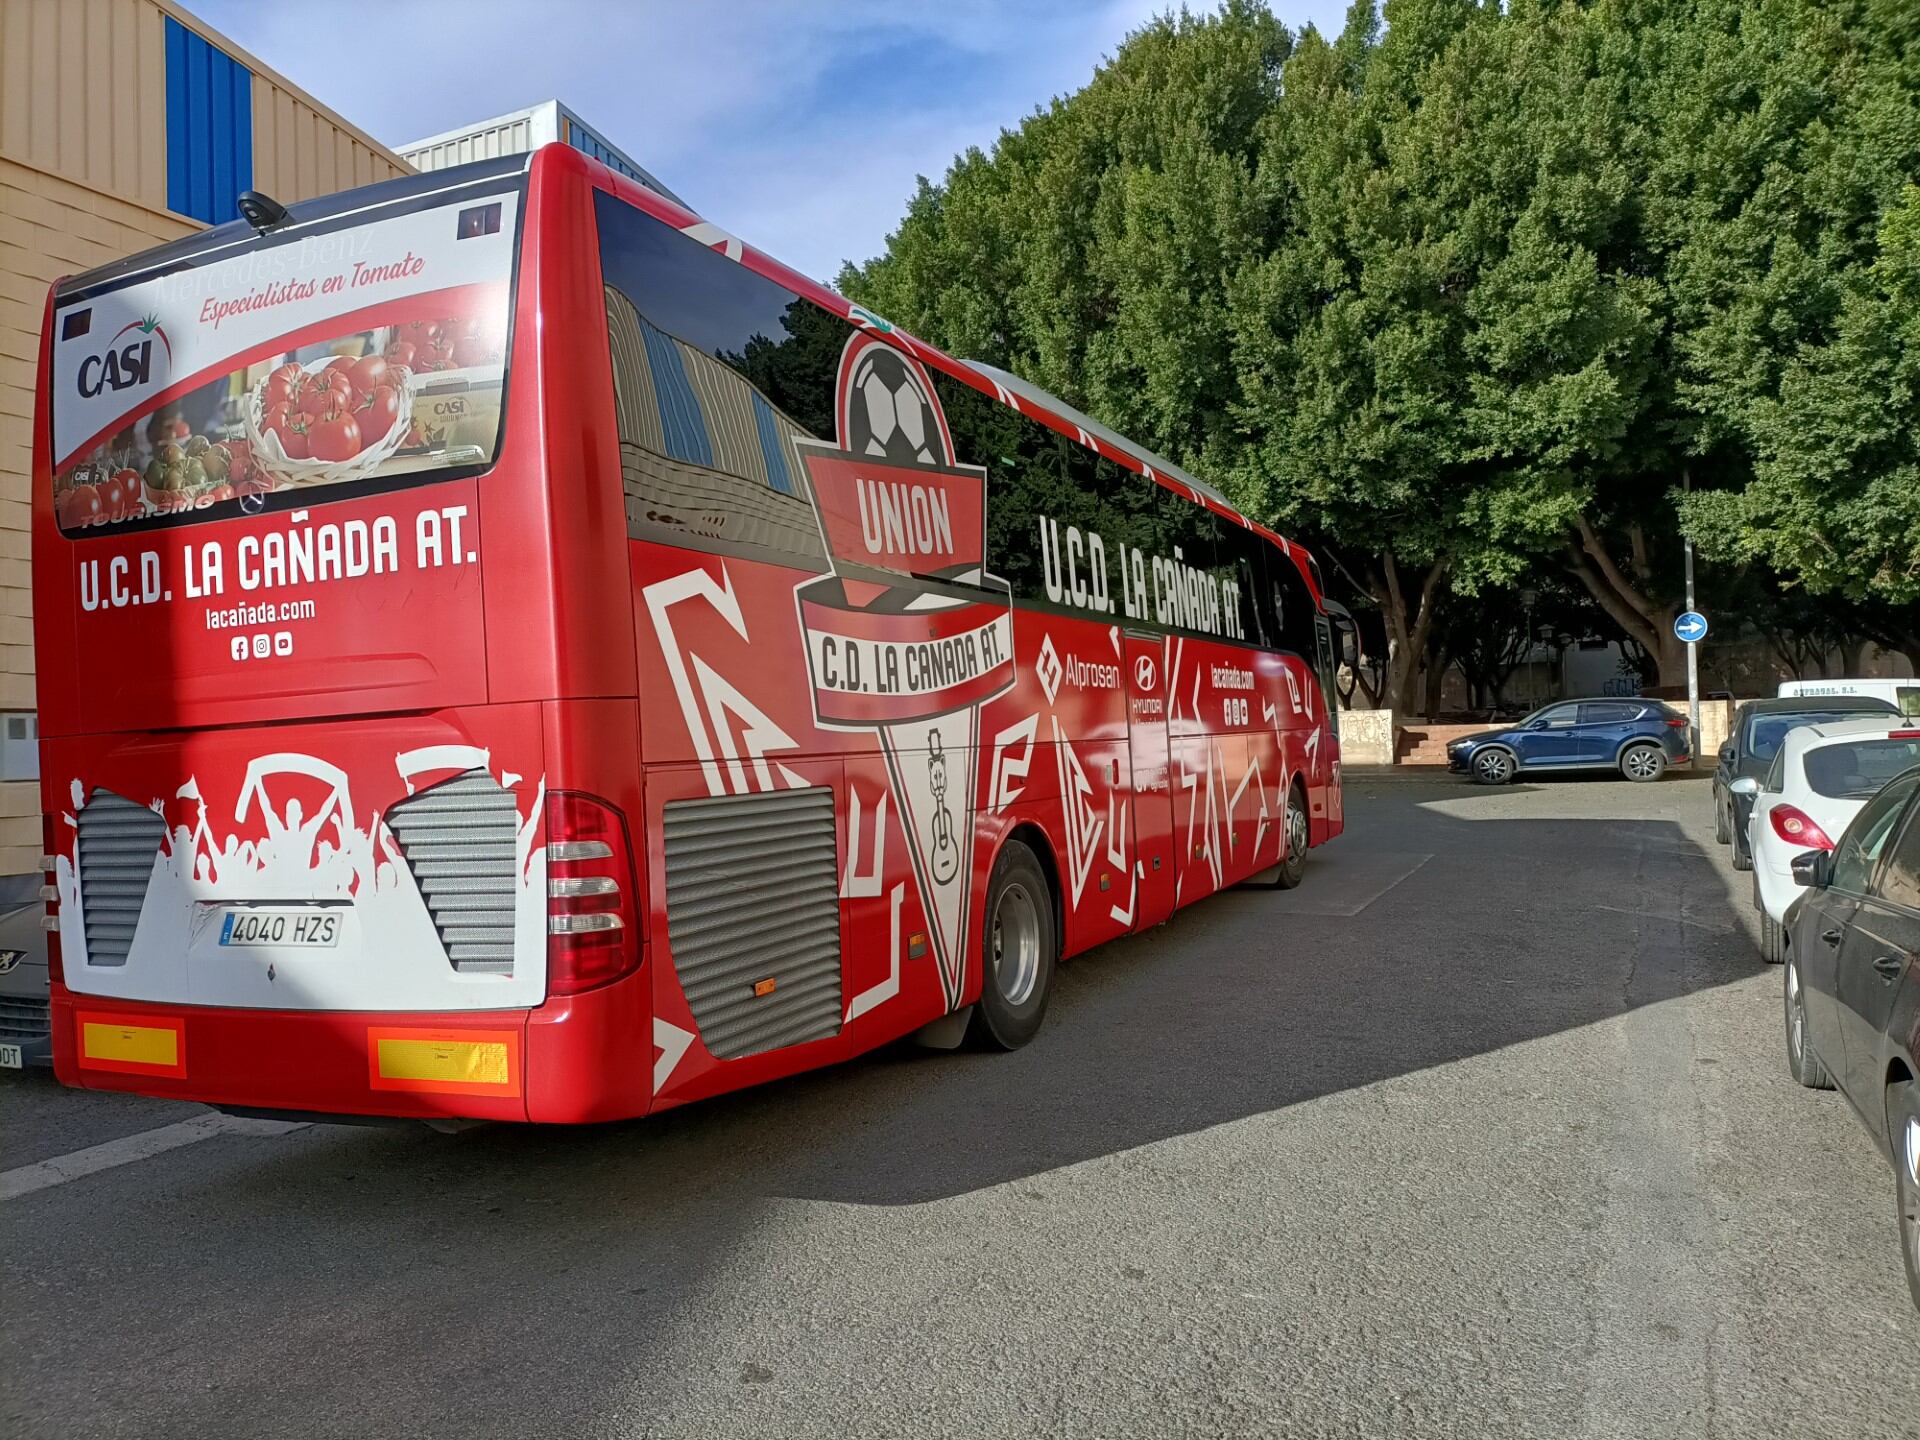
(889, 412)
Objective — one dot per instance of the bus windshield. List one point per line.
(305, 364)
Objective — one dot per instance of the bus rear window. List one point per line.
(292, 370)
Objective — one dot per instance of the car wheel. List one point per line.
(1722, 826)
(1903, 1120)
(1773, 945)
(1742, 857)
(1642, 763)
(1802, 1063)
(1018, 951)
(1493, 766)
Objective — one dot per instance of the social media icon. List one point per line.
(283, 642)
(262, 646)
(239, 647)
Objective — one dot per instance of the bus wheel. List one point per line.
(1018, 952)
(1294, 868)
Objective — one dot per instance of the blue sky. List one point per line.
(798, 126)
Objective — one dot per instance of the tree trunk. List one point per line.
(1436, 684)
(1409, 623)
(1627, 602)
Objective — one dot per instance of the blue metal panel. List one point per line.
(588, 143)
(209, 127)
(681, 420)
(772, 444)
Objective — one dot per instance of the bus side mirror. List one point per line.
(1349, 647)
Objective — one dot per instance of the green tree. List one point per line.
(1481, 287)
(1835, 496)
(1781, 208)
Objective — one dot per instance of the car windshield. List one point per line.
(1765, 732)
(1856, 769)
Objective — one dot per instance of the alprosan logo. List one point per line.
(123, 366)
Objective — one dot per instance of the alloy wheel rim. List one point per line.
(1796, 1013)
(1296, 831)
(1016, 943)
(1493, 765)
(1640, 762)
(1910, 1190)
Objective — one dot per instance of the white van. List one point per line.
(1902, 693)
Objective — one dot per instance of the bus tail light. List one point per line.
(593, 932)
(50, 892)
(1796, 827)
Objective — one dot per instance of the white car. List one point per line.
(1903, 695)
(1821, 776)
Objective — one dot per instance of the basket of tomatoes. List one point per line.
(327, 420)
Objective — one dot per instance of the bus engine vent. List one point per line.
(753, 915)
(460, 840)
(119, 841)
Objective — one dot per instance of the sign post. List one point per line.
(1691, 626)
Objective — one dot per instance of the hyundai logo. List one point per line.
(1145, 674)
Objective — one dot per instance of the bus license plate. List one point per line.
(299, 929)
(9, 1057)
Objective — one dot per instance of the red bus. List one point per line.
(509, 650)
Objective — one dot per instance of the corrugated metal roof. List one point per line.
(1047, 400)
(524, 130)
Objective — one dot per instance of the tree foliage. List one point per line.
(1476, 288)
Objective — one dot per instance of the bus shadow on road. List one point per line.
(457, 1251)
(1419, 939)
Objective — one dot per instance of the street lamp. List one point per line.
(1528, 597)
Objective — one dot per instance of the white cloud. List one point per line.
(751, 109)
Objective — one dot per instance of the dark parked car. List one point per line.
(1852, 977)
(24, 1032)
(1639, 738)
(1758, 728)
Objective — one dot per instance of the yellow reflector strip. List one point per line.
(452, 1062)
(462, 1062)
(130, 1044)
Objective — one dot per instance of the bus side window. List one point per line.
(707, 458)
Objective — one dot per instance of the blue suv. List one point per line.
(1638, 738)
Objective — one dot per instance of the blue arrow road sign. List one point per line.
(1690, 625)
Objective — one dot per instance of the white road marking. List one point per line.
(1343, 883)
(26, 1179)
(1670, 919)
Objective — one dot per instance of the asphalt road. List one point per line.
(1485, 1131)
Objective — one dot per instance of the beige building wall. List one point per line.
(83, 180)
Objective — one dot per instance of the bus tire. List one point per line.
(1019, 949)
(1293, 869)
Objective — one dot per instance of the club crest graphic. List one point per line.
(887, 652)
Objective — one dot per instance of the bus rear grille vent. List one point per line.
(460, 840)
(119, 841)
(753, 915)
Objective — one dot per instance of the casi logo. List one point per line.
(119, 366)
(1145, 673)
